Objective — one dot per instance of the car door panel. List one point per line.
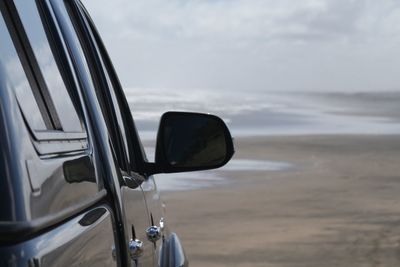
(133, 146)
(153, 201)
(61, 183)
(135, 219)
(86, 240)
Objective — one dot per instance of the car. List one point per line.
(76, 188)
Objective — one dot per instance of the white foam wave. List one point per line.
(149, 104)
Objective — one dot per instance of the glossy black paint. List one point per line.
(80, 241)
(37, 194)
(75, 185)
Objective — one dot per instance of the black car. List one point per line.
(76, 188)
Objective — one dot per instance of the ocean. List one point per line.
(264, 114)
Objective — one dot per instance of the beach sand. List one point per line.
(338, 206)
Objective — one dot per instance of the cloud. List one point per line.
(256, 44)
(246, 20)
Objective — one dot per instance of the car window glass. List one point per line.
(103, 96)
(121, 113)
(117, 110)
(32, 23)
(119, 123)
(114, 101)
(12, 70)
(117, 96)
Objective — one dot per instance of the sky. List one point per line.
(253, 45)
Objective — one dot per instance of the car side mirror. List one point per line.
(190, 142)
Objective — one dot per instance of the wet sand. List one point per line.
(338, 206)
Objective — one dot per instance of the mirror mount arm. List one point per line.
(151, 168)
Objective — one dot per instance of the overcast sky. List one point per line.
(253, 45)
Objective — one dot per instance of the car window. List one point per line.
(102, 86)
(58, 184)
(114, 99)
(50, 79)
(135, 145)
(49, 102)
(115, 105)
(121, 106)
(16, 77)
(117, 109)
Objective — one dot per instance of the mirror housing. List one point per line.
(191, 142)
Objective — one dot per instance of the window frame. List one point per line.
(53, 140)
(135, 144)
(100, 83)
(135, 153)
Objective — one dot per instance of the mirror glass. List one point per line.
(192, 140)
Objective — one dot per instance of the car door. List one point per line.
(133, 145)
(134, 215)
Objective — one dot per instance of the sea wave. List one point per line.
(271, 113)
